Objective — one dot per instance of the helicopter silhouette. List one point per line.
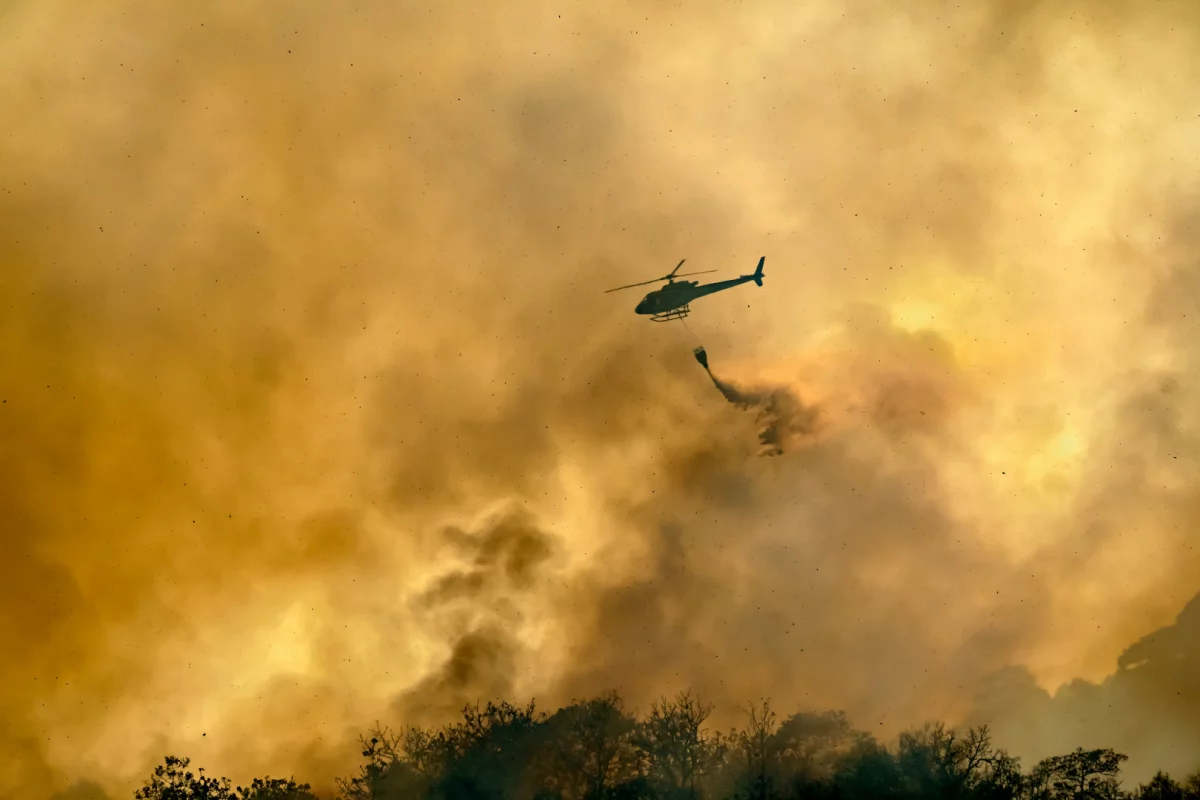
(671, 301)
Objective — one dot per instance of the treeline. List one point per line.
(597, 750)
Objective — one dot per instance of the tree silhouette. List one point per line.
(812, 745)
(596, 750)
(592, 751)
(937, 762)
(275, 789)
(1083, 775)
(868, 770)
(487, 753)
(395, 765)
(757, 749)
(678, 748)
(172, 780)
(1160, 787)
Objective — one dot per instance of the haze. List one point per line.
(315, 412)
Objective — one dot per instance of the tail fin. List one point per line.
(758, 273)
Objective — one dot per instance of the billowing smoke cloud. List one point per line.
(1147, 706)
(502, 560)
(314, 410)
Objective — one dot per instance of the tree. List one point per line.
(486, 755)
(1081, 775)
(397, 765)
(678, 748)
(380, 752)
(275, 789)
(938, 762)
(866, 772)
(926, 758)
(172, 780)
(756, 748)
(812, 745)
(1001, 778)
(1039, 784)
(591, 751)
(1160, 787)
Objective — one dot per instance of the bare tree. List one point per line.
(380, 752)
(756, 747)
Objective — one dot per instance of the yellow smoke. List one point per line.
(314, 410)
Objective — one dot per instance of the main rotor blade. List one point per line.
(656, 280)
(631, 285)
(671, 274)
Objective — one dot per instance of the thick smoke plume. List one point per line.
(313, 409)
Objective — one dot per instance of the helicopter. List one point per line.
(671, 301)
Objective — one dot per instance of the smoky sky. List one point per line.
(314, 410)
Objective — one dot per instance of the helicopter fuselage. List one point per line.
(678, 294)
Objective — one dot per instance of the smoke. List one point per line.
(1144, 707)
(782, 416)
(503, 560)
(314, 409)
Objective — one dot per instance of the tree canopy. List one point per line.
(598, 750)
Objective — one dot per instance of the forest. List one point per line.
(598, 750)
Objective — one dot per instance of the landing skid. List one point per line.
(674, 313)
